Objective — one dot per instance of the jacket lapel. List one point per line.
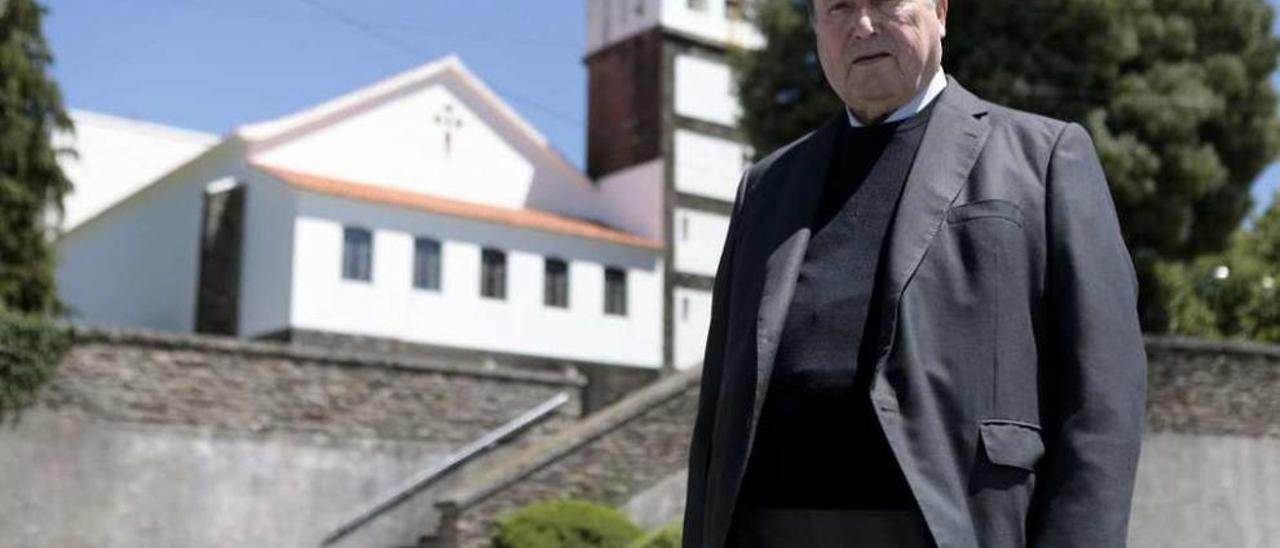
(950, 146)
(952, 141)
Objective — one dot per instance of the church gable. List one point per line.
(436, 130)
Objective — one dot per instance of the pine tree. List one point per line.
(31, 183)
(1175, 93)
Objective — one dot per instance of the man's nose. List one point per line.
(863, 23)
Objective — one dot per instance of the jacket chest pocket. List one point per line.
(991, 264)
(1011, 443)
(985, 209)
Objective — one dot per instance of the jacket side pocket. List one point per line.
(1012, 443)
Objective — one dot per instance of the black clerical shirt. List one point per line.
(818, 443)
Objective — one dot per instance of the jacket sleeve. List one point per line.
(1096, 366)
(708, 392)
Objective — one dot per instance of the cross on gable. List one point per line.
(449, 121)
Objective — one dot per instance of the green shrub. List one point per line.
(565, 524)
(664, 537)
(30, 349)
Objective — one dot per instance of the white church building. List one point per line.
(424, 211)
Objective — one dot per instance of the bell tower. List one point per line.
(661, 104)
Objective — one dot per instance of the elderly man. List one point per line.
(924, 324)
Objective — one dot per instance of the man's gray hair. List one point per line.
(808, 8)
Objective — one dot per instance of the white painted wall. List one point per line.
(612, 21)
(692, 313)
(396, 142)
(117, 156)
(705, 90)
(136, 263)
(709, 166)
(698, 238)
(631, 198)
(457, 315)
(267, 264)
(710, 24)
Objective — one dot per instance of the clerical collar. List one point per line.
(915, 105)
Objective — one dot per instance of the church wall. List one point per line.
(398, 143)
(632, 198)
(704, 89)
(457, 315)
(699, 238)
(707, 165)
(268, 256)
(136, 263)
(692, 318)
(445, 138)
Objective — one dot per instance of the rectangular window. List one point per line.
(357, 254)
(555, 286)
(615, 291)
(493, 273)
(426, 264)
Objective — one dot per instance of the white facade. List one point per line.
(135, 263)
(705, 90)
(692, 318)
(698, 239)
(379, 159)
(456, 315)
(709, 166)
(612, 21)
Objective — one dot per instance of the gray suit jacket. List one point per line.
(1011, 376)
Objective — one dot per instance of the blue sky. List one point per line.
(212, 65)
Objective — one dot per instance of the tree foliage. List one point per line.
(1234, 294)
(1175, 93)
(31, 182)
(30, 349)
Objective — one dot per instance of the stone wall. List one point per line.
(1209, 473)
(605, 383)
(149, 439)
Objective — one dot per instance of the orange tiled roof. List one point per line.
(523, 218)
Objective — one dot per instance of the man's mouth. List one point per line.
(870, 58)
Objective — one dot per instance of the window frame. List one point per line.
(611, 284)
(436, 274)
(553, 286)
(350, 267)
(493, 285)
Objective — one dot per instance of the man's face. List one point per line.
(877, 53)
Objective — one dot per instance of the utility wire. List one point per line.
(409, 50)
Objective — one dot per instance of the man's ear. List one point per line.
(941, 10)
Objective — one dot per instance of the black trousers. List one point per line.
(829, 528)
